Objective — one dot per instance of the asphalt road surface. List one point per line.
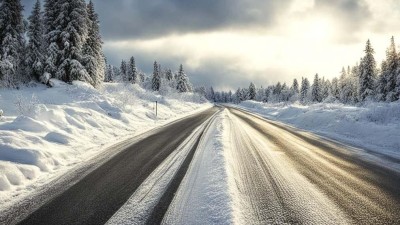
(95, 198)
(286, 176)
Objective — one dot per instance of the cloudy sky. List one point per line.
(228, 43)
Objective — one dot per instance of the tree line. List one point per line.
(63, 41)
(359, 83)
(162, 80)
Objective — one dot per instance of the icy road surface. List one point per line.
(279, 175)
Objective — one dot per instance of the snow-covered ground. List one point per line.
(44, 132)
(374, 127)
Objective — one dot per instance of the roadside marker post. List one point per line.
(156, 109)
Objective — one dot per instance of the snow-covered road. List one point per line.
(282, 176)
(230, 166)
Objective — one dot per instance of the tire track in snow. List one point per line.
(203, 196)
(267, 189)
(360, 192)
(151, 200)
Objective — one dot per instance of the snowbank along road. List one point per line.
(284, 176)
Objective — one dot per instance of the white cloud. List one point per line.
(305, 40)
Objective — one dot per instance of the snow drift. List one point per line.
(374, 127)
(44, 131)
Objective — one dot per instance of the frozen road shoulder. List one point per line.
(204, 196)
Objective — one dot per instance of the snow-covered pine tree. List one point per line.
(132, 71)
(391, 70)
(335, 88)
(354, 78)
(268, 92)
(109, 74)
(245, 94)
(398, 85)
(295, 87)
(52, 31)
(160, 71)
(123, 69)
(260, 94)
(381, 83)
(345, 87)
(142, 77)
(367, 74)
(156, 80)
(11, 42)
(285, 93)
(36, 45)
(316, 95)
(168, 75)
(326, 89)
(66, 34)
(237, 96)
(183, 84)
(277, 92)
(252, 91)
(305, 86)
(92, 50)
(210, 94)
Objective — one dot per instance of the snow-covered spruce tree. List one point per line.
(132, 71)
(156, 80)
(295, 87)
(11, 43)
(142, 77)
(345, 88)
(294, 91)
(183, 84)
(211, 94)
(398, 85)
(52, 56)
(92, 50)
(109, 77)
(316, 95)
(354, 75)
(160, 71)
(381, 83)
(268, 93)
(277, 92)
(123, 71)
(168, 75)
(260, 94)
(326, 89)
(367, 74)
(66, 34)
(305, 86)
(390, 73)
(245, 94)
(252, 91)
(237, 96)
(285, 93)
(36, 45)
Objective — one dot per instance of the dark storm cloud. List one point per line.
(127, 19)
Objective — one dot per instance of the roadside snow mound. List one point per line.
(374, 126)
(46, 130)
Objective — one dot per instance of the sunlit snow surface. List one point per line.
(373, 127)
(46, 131)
